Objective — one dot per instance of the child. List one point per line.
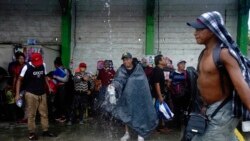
(83, 85)
(11, 105)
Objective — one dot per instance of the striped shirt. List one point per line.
(80, 84)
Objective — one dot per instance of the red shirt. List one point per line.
(148, 71)
(106, 76)
(17, 69)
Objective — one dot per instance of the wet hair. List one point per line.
(171, 62)
(106, 62)
(18, 54)
(50, 74)
(158, 58)
(58, 61)
(136, 61)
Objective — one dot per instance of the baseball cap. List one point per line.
(197, 24)
(36, 59)
(82, 65)
(126, 55)
(181, 61)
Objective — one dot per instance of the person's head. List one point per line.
(82, 67)
(203, 34)
(37, 59)
(169, 62)
(181, 65)
(160, 61)
(58, 62)
(20, 58)
(106, 64)
(127, 60)
(50, 74)
(135, 61)
(144, 62)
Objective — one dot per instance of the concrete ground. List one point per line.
(94, 130)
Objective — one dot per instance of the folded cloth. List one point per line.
(163, 110)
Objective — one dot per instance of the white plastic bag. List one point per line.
(111, 92)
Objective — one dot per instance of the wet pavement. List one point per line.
(93, 130)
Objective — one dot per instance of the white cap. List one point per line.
(182, 61)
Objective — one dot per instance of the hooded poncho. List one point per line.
(134, 105)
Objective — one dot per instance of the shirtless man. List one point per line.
(222, 125)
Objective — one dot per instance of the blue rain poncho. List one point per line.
(134, 104)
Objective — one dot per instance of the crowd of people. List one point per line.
(73, 99)
(130, 93)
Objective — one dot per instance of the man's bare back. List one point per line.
(209, 83)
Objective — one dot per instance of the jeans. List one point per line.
(60, 101)
(80, 104)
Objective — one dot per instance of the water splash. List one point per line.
(107, 5)
(108, 25)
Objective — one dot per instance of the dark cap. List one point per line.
(126, 55)
(197, 24)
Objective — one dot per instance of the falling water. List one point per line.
(108, 26)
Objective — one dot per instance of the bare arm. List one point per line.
(237, 78)
(158, 92)
(47, 84)
(14, 83)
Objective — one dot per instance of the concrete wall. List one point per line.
(25, 19)
(176, 38)
(107, 28)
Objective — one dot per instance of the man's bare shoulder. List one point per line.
(227, 58)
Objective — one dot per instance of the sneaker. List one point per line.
(140, 138)
(62, 120)
(33, 137)
(57, 119)
(81, 122)
(23, 121)
(48, 134)
(125, 137)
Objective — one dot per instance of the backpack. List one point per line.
(179, 90)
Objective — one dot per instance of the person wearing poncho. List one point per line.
(134, 104)
(211, 32)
